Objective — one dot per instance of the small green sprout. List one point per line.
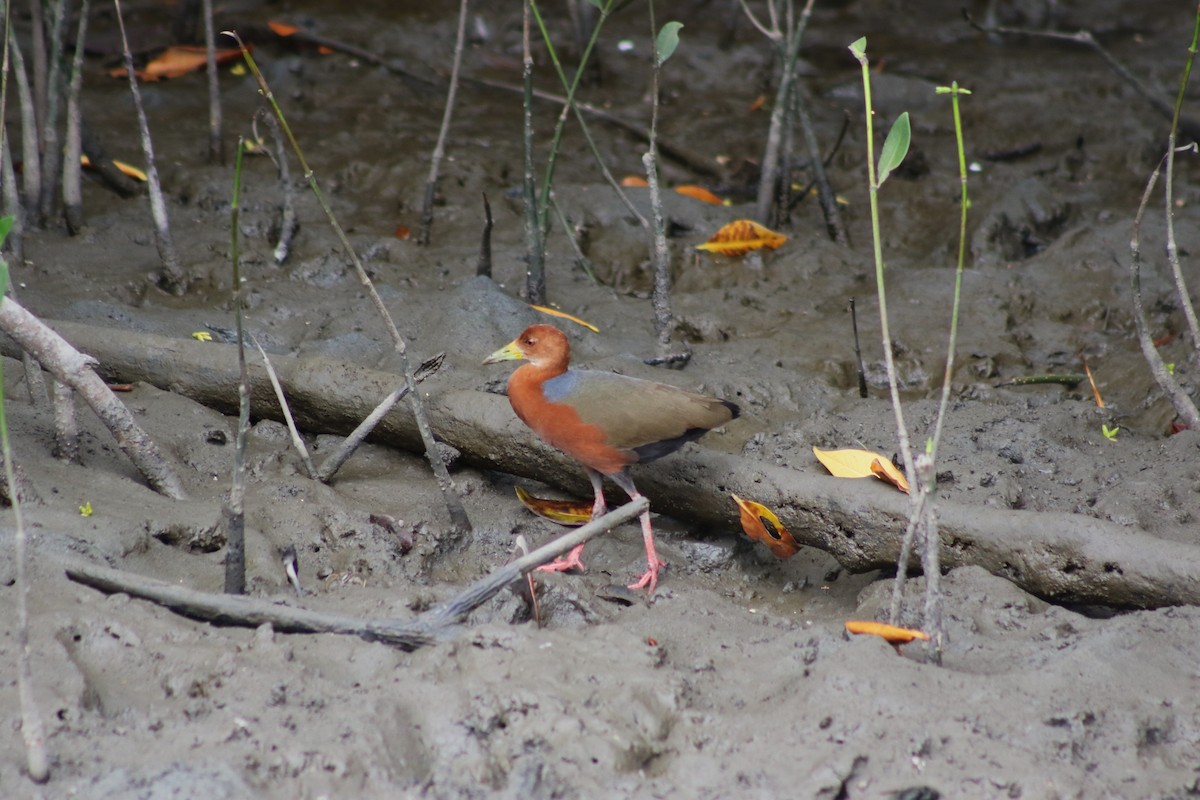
(85, 510)
(1109, 433)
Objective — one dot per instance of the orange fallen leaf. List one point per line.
(740, 237)
(633, 180)
(761, 525)
(890, 633)
(126, 169)
(758, 103)
(325, 50)
(861, 464)
(554, 312)
(178, 60)
(282, 28)
(403, 232)
(699, 193)
(564, 512)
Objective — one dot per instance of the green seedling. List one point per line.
(1109, 433)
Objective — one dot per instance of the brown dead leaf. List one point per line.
(634, 181)
(740, 237)
(178, 60)
(861, 464)
(889, 633)
(564, 512)
(699, 193)
(761, 525)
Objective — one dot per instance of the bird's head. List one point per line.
(540, 345)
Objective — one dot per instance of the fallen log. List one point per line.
(1064, 558)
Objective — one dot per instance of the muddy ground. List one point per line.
(736, 680)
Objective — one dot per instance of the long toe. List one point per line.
(568, 562)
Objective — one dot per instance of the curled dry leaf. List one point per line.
(761, 525)
(178, 60)
(740, 237)
(889, 633)
(861, 464)
(554, 312)
(699, 193)
(564, 512)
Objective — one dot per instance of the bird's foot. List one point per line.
(650, 579)
(568, 562)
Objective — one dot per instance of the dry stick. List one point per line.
(454, 505)
(1180, 399)
(829, 206)
(862, 373)
(789, 51)
(32, 729)
(439, 149)
(216, 150)
(172, 278)
(484, 265)
(289, 223)
(66, 428)
(72, 177)
(75, 369)
(233, 511)
(31, 158)
(1189, 125)
(51, 149)
(331, 465)
(436, 624)
(535, 266)
(297, 441)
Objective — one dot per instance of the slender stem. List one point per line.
(877, 244)
(459, 521)
(235, 516)
(73, 146)
(216, 149)
(660, 252)
(535, 268)
(1181, 290)
(439, 149)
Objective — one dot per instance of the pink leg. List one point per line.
(574, 559)
(650, 578)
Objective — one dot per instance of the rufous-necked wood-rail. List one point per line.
(603, 420)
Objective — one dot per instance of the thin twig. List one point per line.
(172, 278)
(289, 222)
(460, 522)
(297, 441)
(439, 149)
(234, 512)
(433, 625)
(333, 463)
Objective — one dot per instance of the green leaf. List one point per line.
(859, 48)
(668, 40)
(3, 278)
(6, 224)
(895, 147)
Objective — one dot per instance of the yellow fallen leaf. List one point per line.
(564, 512)
(761, 525)
(740, 237)
(128, 170)
(861, 464)
(554, 312)
(890, 633)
